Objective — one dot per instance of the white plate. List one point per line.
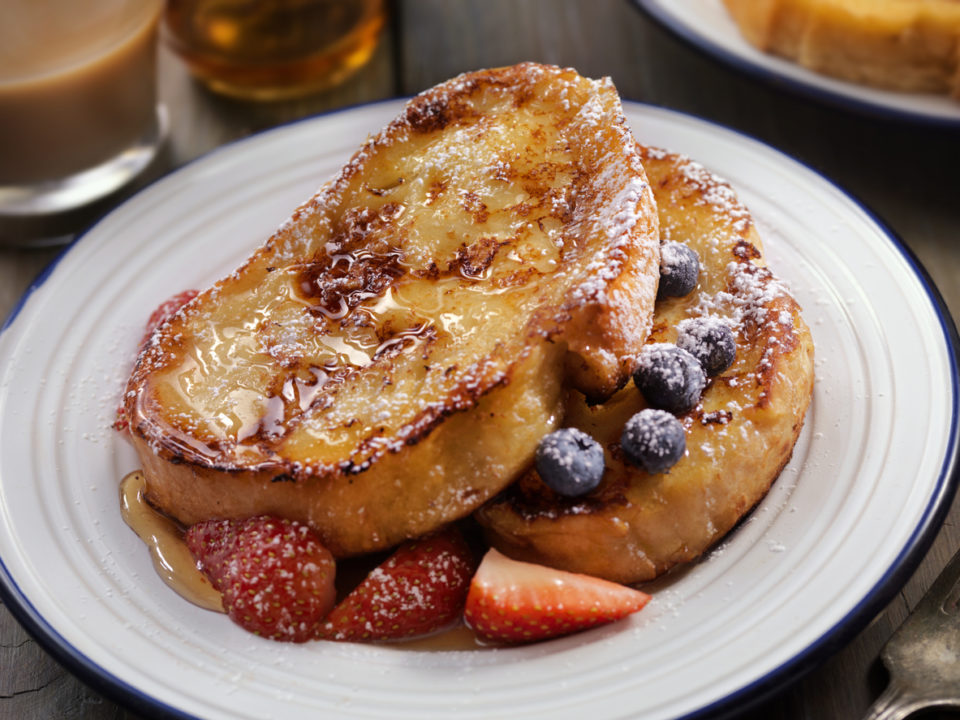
(707, 25)
(839, 533)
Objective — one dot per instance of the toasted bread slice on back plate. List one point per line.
(390, 358)
(635, 525)
(911, 45)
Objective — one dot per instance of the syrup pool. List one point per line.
(171, 558)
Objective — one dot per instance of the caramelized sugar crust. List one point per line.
(635, 526)
(911, 45)
(389, 359)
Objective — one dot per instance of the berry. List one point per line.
(120, 421)
(419, 589)
(517, 602)
(710, 340)
(276, 579)
(669, 377)
(679, 270)
(570, 462)
(653, 440)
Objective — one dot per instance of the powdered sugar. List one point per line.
(738, 434)
(569, 200)
(718, 194)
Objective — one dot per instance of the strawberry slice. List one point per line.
(519, 602)
(275, 577)
(418, 590)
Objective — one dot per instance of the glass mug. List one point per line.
(78, 110)
(273, 50)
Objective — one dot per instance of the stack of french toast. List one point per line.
(908, 45)
(464, 327)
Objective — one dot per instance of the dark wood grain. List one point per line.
(906, 176)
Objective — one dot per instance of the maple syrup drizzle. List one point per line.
(171, 558)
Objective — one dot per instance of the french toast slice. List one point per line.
(909, 45)
(389, 359)
(634, 525)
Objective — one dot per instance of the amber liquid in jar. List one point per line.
(273, 50)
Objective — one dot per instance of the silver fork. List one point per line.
(923, 655)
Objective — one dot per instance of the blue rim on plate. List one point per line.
(760, 689)
(912, 554)
(810, 89)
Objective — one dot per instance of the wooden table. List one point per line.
(909, 177)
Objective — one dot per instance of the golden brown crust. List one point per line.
(495, 238)
(636, 526)
(910, 45)
(405, 495)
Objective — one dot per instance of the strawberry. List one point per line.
(275, 577)
(517, 602)
(120, 422)
(419, 589)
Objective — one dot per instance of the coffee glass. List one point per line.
(79, 116)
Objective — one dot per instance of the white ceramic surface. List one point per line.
(834, 538)
(707, 25)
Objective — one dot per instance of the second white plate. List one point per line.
(838, 534)
(706, 25)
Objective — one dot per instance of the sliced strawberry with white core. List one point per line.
(518, 602)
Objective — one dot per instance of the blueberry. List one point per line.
(570, 462)
(669, 378)
(653, 440)
(710, 340)
(679, 270)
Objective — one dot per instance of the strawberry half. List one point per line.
(418, 590)
(275, 577)
(519, 602)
